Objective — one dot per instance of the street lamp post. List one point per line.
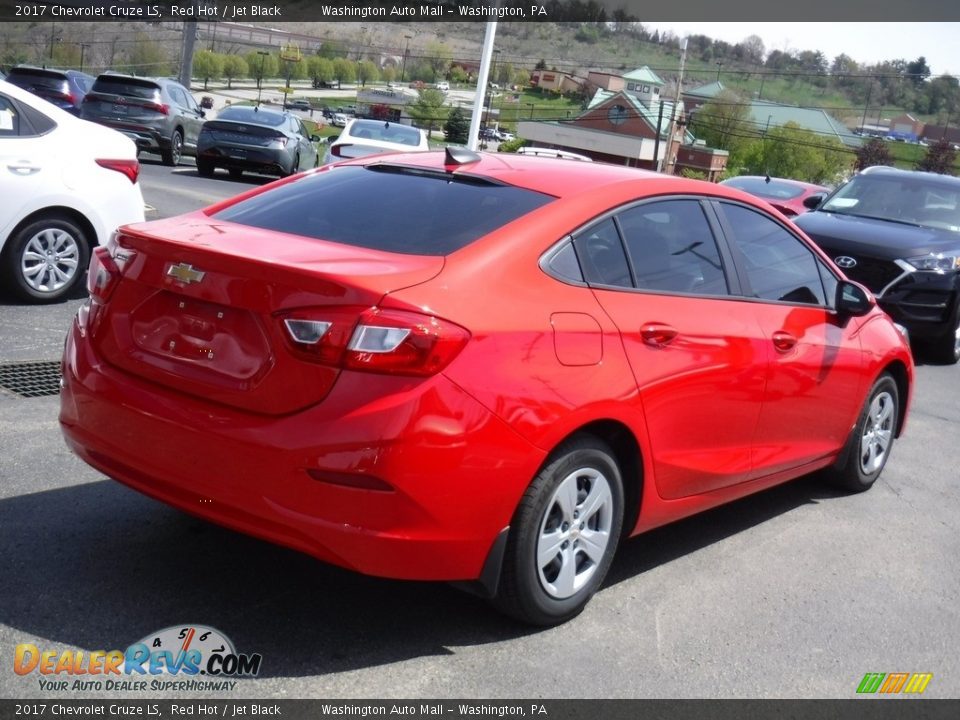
(531, 110)
(403, 66)
(83, 47)
(719, 65)
(262, 54)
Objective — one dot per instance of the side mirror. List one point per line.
(316, 138)
(813, 202)
(853, 300)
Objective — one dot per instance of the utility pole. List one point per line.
(671, 158)
(186, 52)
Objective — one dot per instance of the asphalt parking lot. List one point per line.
(797, 592)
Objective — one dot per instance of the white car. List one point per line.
(443, 86)
(339, 120)
(66, 185)
(370, 137)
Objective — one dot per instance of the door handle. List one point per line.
(657, 334)
(784, 341)
(22, 168)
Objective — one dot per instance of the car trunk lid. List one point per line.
(201, 303)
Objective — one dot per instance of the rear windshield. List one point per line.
(386, 207)
(762, 188)
(36, 77)
(386, 132)
(253, 116)
(131, 87)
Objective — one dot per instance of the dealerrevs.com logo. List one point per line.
(178, 658)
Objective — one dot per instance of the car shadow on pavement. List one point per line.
(665, 544)
(96, 566)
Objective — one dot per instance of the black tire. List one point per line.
(205, 168)
(295, 166)
(871, 440)
(46, 260)
(171, 156)
(945, 350)
(236, 173)
(549, 572)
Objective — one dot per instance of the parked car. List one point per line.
(299, 104)
(66, 186)
(898, 232)
(64, 88)
(255, 139)
(443, 86)
(505, 136)
(784, 194)
(206, 102)
(446, 366)
(158, 114)
(371, 137)
(338, 119)
(489, 134)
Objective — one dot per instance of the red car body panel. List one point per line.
(416, 477)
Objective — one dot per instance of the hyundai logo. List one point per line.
(845, 261)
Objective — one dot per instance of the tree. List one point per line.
(918, 70)
(438, 57)
(234, 66)
(723, 123)
(940, 158)
(792, 152)
(262, 66)
(541, 65)
(146, 57)
(873, 152)
(319, 70)
(457, 127)
(427, 109)
(368, 72)
(207, 65)
(344, 71)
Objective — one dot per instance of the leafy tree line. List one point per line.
(792, 152)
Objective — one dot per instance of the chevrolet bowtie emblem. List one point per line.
(185, 273)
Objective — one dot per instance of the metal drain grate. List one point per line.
(31, 379)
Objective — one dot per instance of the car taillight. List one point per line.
(103, 274)
(161, 108)
(130, 168)
(337, 150)
(396, 342)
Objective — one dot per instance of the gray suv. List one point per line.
(158, 114)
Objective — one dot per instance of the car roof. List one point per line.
(897, 172)
(554, 176)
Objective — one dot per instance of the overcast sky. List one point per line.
(867, 42)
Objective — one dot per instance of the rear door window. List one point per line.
(388, 207)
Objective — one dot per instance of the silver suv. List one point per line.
(158, 114)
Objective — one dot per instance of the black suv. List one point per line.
(158, 114)
(898, 233)
(64, 88)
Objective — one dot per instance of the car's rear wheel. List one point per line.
(205, 167)
(563, 535)
(236, 173)
(869, 445)
(172, 155)
(45, 260)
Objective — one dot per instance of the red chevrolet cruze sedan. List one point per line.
(478, 368)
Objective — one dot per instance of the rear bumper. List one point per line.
(276, 162)
(455, 472)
